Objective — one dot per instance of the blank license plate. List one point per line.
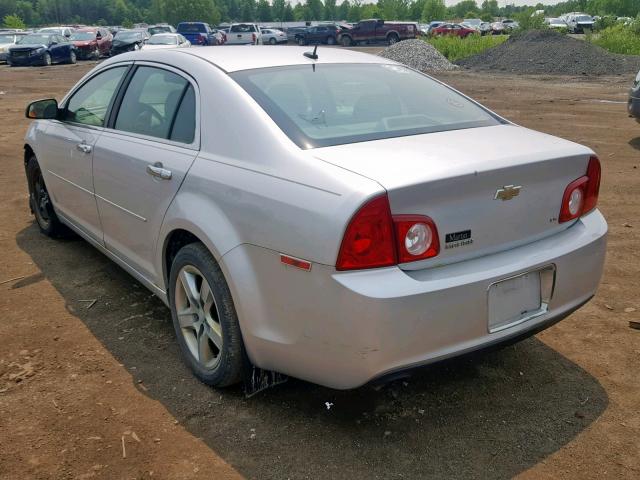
(514, 300)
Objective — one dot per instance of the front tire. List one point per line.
(46, 59)
(40, 202)
(204, 317)
(331, 41)
(346, 41)
(273, 41)
(73, 57)
(301, 42)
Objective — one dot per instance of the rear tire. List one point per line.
(40, 202)
(331, 41)
(393, 39)
(273, 41)
(204, 317)
(346, 41)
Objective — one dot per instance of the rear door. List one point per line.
(67, 156)
(141, 160)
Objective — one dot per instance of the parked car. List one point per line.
(41, 49)
(198, 33)
(160, 28)
(326, 34)
(373, 31)
(454, 29)
(504, 26)
(317, 250)
(556, 23)
(633, 105)
(434, 24)
(293, 31)
(7, 40)
(92, 42)
(273, 36)
(66, 32)
(129, 41)
(161, 41)
(244, 34)
(579, 23)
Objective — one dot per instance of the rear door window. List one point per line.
(151, 104)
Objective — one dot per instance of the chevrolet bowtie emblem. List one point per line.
(507, 192)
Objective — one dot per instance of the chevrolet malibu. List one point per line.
(350, 218)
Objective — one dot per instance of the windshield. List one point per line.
(6, 38)
(162, 40)
(80, 36)
(191, 28)
(324, 105)
(159, 29)
(584, 18)
(33, 39)
(128, 36)
(473, 21)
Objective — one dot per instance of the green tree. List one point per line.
(277, 10)
(288, 13)
(343, 10)
(490, 7)
(315, 9)
(247, 10)
(433, 10)
(465, 7)
(299, 13)
(13, 21)
(330, 10)
(263, 11)
(193, 10)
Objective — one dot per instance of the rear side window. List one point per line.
(152, 102)
(242, 28)
(184, 125)
(90, 102)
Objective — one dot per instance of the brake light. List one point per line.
(374, 238)
(201, 38)
(253, 37)
(581, 195)
(369, 241)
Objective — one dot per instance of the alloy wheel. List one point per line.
(198, 317)
(42, 202)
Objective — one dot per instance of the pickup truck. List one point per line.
(243, 34)
(198, 33)
(374, 31)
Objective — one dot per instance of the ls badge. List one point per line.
(507, 192)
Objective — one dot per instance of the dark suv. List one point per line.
(327, 34)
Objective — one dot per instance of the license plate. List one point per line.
(518, 299)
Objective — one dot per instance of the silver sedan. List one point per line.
(346, 218)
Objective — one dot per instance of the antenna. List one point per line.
(312, 55)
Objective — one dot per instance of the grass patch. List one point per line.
(619, 39)
(456, 48)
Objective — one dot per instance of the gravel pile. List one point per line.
(418, 55)
(549, 52)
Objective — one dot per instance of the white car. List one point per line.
(161, 41)
(64, 31)
(244, 34)
(7, 40)
(374, 220)
(273, 36)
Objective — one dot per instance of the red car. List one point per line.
(453, 29)
(92, 42)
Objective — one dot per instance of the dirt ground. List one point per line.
(78, 383)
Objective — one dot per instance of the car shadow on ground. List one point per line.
(490, 415)
(635, 143)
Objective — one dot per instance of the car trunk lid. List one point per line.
(487, 189)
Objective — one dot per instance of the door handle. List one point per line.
(157, 170)
(84, 148)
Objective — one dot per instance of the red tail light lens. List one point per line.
(375, 239)
(581, 195)
(368, 241)
(417, 238)
(253, 37)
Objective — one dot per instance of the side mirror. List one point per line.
(42, 109)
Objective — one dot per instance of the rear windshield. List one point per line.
(337, 104)
(191, 28)
(242, 28)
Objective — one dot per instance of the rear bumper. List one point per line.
(343, 329)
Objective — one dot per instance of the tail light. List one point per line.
(581, 195)
(201, 38)
(253, 37)
(374, 238)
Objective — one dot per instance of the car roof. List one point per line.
(245, 57)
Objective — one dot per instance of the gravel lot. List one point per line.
(419, 55)
(78, 383)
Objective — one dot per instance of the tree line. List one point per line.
(127, 12)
